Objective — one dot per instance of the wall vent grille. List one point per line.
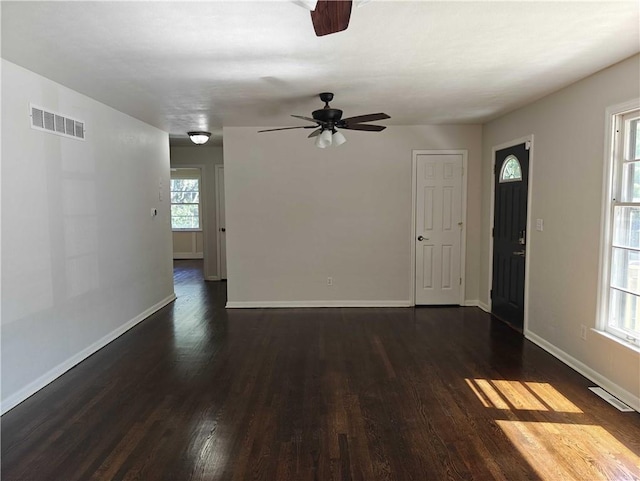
(614, 401)
(56, 123)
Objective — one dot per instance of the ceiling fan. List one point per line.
(329, 16)
(327, 120)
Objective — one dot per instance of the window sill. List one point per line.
(620, 341)
(186, 230)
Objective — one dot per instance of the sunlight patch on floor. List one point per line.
(571, 451)
(519, 395)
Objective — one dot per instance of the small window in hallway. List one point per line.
(185, 201)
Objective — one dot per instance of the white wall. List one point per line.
(567, 177)
(82, 258)
(204, 157)
(297, 214)
(188, 245)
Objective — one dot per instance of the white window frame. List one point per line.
(196, 176)
(615, 145)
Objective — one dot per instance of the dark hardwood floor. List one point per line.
(200, 392)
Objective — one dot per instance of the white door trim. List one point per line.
(463, 238)
(218, 168)
(527, 260)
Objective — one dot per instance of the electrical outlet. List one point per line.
(583, 332)
(329, 281)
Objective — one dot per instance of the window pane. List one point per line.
(511, 170)
(185, 216)
(189, 210)
(184, 223)
(634, 141)
(625, 311)
(185, 197)
(631, 182)
(626, 226)
(625, 266)
(184, 185)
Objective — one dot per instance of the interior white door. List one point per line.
(222, 230)
(438, 228)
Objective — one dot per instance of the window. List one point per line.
(511, 170)
(621, 296)
(185, 200)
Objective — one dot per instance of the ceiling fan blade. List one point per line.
(289, 128)
(315, 133)
(306, 118)
(365, 118)
(331, 16)
(367, 127)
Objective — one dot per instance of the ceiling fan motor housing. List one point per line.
(327, 115)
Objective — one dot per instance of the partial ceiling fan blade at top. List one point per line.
(331, 16)
(365, 118)
(315, 133)
(366, 127)
(289, 128)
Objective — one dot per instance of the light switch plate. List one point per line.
(539, 225)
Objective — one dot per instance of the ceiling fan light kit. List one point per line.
(199, 137)
(338, 139)
(324, 139)
(328, 120)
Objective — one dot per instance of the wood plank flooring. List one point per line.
(197, 392)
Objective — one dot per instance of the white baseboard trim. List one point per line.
(289, 304)
(619, 392)
(477, 303)
(50, 376)
(211, 278)
(188, 255)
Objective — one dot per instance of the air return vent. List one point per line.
(56, 123)
(614, 401)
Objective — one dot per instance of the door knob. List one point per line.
(519, 253)
(420, 238)
(222, 229)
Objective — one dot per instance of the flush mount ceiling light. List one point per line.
(199, 138)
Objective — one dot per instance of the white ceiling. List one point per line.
(198, 66)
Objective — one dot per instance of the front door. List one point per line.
(439, 213)
(510, 234)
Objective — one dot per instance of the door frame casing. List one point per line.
(463, 231)
(527, 260)
(217, 168)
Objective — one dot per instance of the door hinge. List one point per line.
(461, 281)
(527, 145)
